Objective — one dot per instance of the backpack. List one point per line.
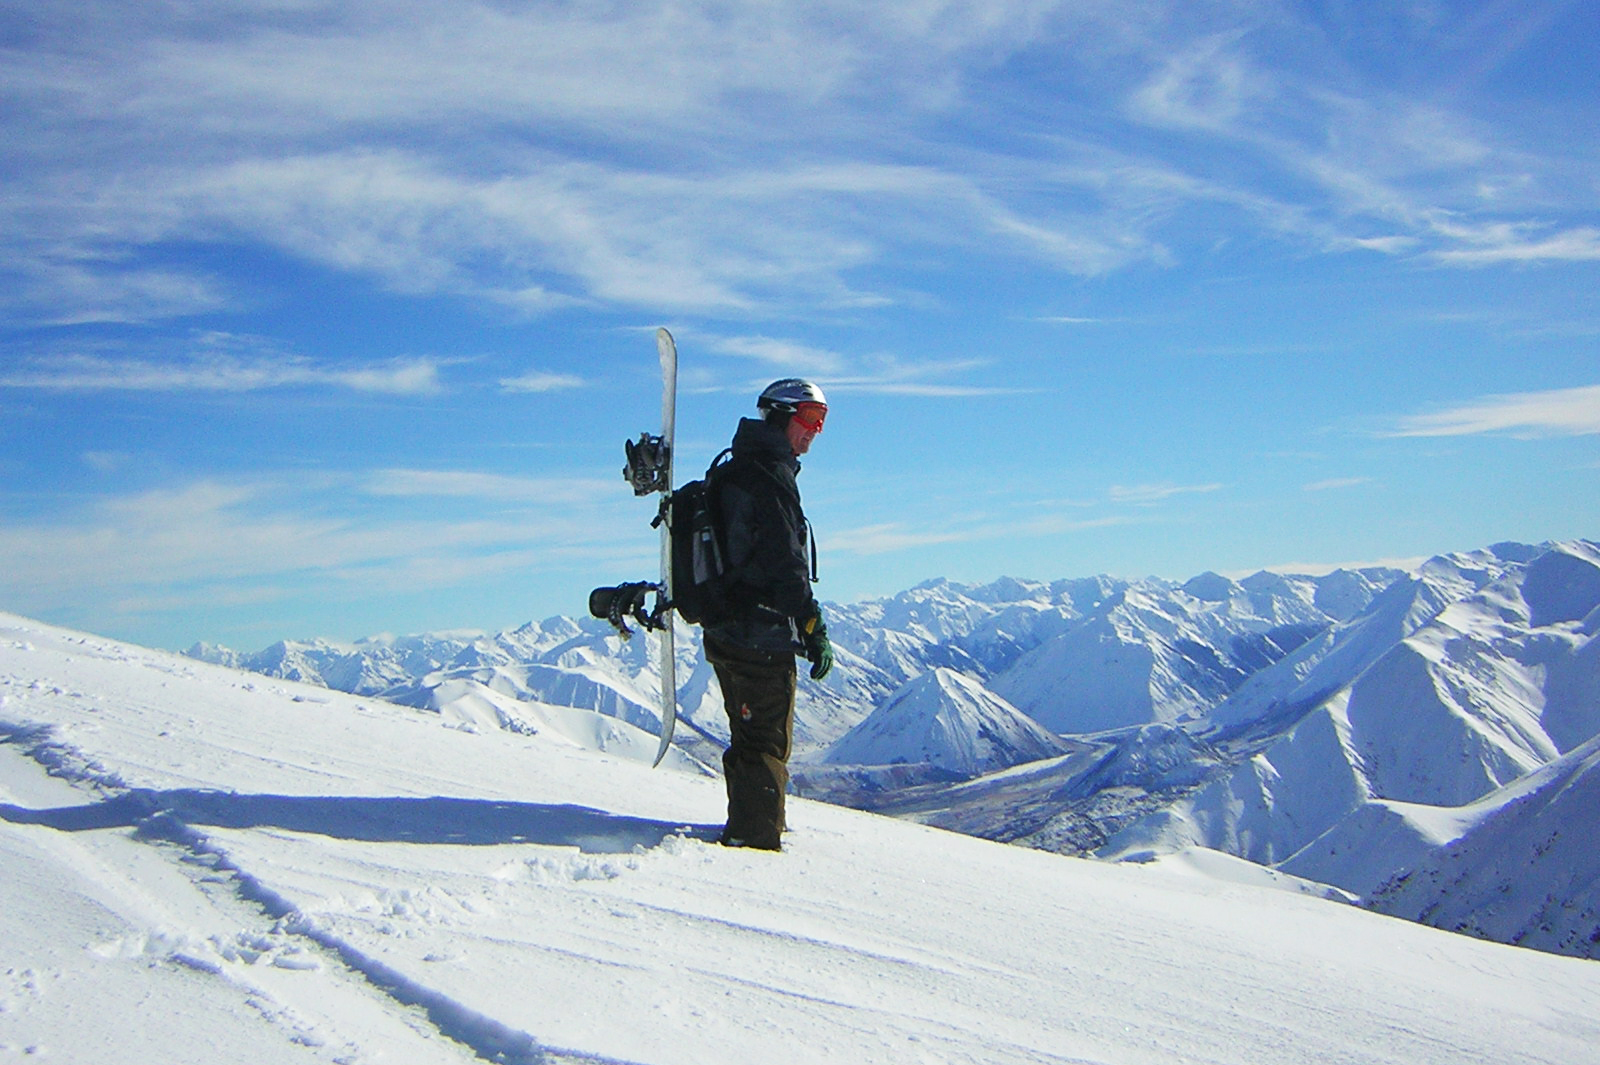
(699, 568)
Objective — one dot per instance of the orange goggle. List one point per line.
(811, 416)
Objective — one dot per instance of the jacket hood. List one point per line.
(763, 442)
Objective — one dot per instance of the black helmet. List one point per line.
(787, 395)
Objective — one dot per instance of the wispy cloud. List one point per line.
(1333, 484)
(788, 356)
(1559, 412)
(46, 291)
(488, 486)
(221, 373)
(890, 537)
(538, 382)
(107, 461)
(1511, 246)
(1148, 494)
(1206, 86)
(874, 373)
(378, 147)
(1352, 166)
(227, 535)
(890, 377)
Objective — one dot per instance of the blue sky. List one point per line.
(331, 318)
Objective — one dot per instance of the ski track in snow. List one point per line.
(336, 880)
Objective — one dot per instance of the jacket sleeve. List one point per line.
(768, 544)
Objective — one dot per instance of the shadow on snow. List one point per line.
(470, 822)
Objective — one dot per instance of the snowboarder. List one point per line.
(772, 614)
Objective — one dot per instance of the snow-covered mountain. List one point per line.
(367, 667)
(203, 865)
(949, 721)
(1436, 695)
(1523, 866)
(1176, 649)
(1367, 752)
(1331, 728)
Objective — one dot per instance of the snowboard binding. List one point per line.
(649, 464)
(617, 604)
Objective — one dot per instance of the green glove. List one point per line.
(819, 652)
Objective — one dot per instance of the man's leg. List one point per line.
(758, 689)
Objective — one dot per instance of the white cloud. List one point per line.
(1147, 494)
(887, 375)
(221, 373)
(886, 538)
(720, 159)
(786, 355)
(892, 386)
(538, 382)
(488, 486)
(890, 537)
(1206, 86)
(107, 461)
(1559, 412)
(1336, 483)
(1574, 245)
(51, 292)
(219, 535)
(872, 374)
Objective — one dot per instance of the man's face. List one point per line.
(804, 426)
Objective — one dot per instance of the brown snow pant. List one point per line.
(758, 689)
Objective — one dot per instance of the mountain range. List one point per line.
(1421, 741)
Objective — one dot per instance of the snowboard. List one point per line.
(667, 348)
(649, 471)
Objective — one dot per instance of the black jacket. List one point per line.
(767, 542)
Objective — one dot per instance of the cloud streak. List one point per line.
(1334, 484)
(537, 382)
(875, 374)
(222, 373)
(1558, 412)
(445, 484)
(1574, 245)
(1143, 495)
(892, 537)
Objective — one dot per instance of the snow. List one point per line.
(202, 865)
(1338, 728)
(949, 721)
(1521, 866)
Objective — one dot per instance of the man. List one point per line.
(773, 615)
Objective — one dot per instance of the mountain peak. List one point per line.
(950, 721)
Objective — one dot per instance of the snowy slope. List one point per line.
(238, 870)
(1524, 867)
(947, 720)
